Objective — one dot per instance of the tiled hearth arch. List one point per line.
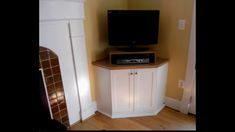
(49, 63)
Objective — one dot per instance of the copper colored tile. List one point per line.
(44, 55)
(45, 64)
(59, 120)
(50, 88)
(64, 119)
(56, 70)
(66, 123)
(40, 65)
(62, 106)
(59, 93)
(41, 49)
(52, 54)
(63, 112)
(47, 72)
(60, 88)
(56, 115)
(61, 100)
(52, 96)
(58, 85)
(54, 62)
(55, 109)
(49, 80)
(57, 77)
(53, 102)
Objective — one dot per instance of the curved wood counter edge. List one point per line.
(104, 63)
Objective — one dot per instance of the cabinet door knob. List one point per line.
(136, 73)
(131, 73)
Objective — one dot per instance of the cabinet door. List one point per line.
(122, 90)
(144, 91)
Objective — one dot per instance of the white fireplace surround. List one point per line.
(62, 30)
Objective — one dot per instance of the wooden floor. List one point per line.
(167, 119)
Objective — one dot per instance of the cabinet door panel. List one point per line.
(122, 90)
(144, 89)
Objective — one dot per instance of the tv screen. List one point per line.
(133, 27)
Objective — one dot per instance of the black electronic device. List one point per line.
(132, 61)
(122, 58)
(131, 28)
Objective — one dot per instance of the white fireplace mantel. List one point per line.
(62, 30)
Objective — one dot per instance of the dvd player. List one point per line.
(133, 61)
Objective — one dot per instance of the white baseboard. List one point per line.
(94, 106)
(158, 110)
(104, 113)
(172, 103)
(90, 111)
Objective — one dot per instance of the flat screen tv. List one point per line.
(133, 28)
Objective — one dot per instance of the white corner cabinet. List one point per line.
(126, 91)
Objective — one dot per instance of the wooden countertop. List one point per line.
(104, 63)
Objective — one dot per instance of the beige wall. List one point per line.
(143, 4)
(173, 43)
(96, 31)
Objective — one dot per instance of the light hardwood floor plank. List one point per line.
(167, 119)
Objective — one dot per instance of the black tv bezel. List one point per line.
(128, 44)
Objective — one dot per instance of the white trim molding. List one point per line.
(172, 103)
(66, 0)
(159, 109)
(60, 10)
(191, 70)
(86, 113)
(61, 29)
